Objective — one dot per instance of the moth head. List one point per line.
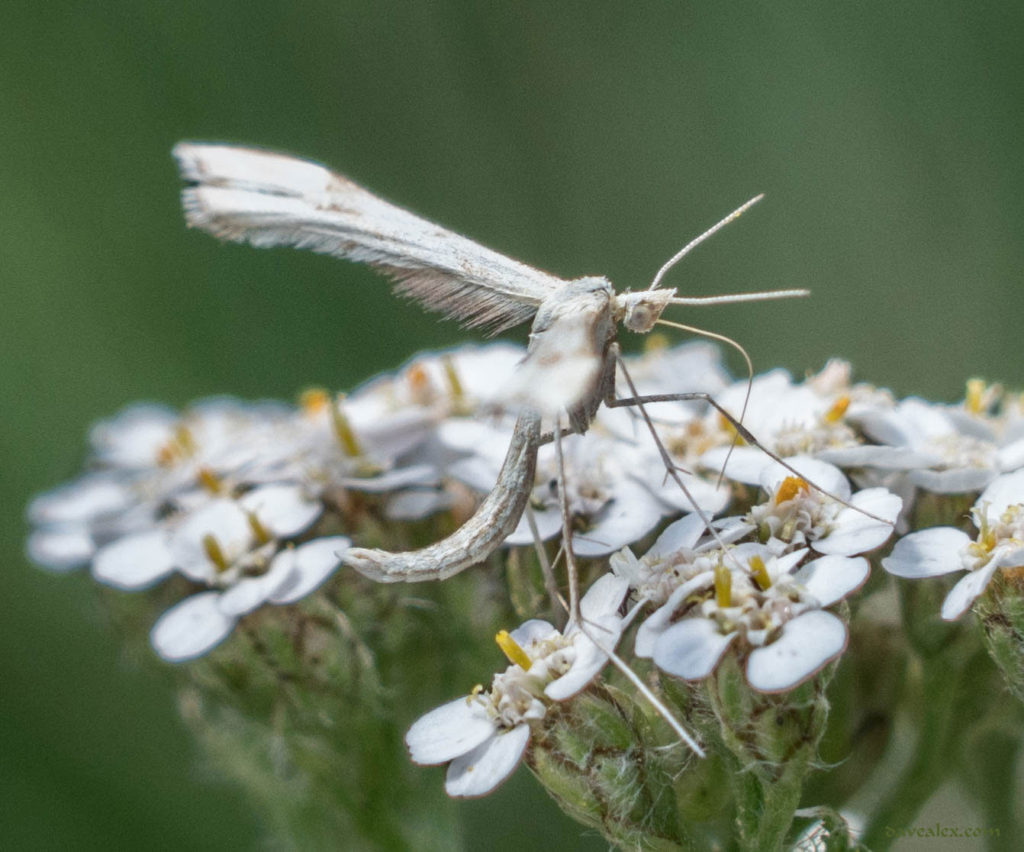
(640, 311)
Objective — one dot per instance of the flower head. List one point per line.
(998, 517)
(484, 735)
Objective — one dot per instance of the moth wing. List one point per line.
(561, 368)
(268, 199)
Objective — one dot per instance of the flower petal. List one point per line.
(448, 731)
(82, 500)
(604, 597)
(823, 475)
(832, 578)
(854, 531)
(311, 564)
(1005, 491)
(135, 561)
(60, 549)
(658, 621)
(191, 628)
(745, 463)
(679, 535)
(629, 516)
(961, 480)
(691, 648)
(484, 768)
(284, 509)
(963, 594)
(927, 553)
(806, 644)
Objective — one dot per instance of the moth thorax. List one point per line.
(640, 311)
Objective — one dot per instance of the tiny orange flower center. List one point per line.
(791, 486)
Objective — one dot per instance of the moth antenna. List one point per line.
(690, 246)
(735, 344)
(729, 298)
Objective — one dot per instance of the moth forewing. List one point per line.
(569, 345)
(268, 199)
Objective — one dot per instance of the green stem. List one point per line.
(931, 763)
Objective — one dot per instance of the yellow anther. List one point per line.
(790, 487)
(476, 690)
(655, 342)
(214, 553)
(838, 409)
(511, 649)
(452, 377)
(261, 532)
(168, 454)
(759, 573)
(314, 400)
(210, 481)
(419, 384)
(975, 394)
(343, 430)
(723, 585)
(186, 441)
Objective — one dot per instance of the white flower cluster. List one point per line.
(249, 503)
(224, 492)
(714, 590)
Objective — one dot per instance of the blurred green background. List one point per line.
(582, 138)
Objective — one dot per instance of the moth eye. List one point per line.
(640, 318)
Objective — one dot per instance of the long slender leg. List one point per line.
(496, 517)
(599, 636)
(570, 557)
(640, 401)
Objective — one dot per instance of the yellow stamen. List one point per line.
(261, 532)
(186, 441)
(723, 585)
(210, 481)
(759, 573)
(655, 342)
(343, 430)
(511, 649)
(214, 553)
(314, 400)
(838, 409)
(452, 377)
(419, 384)
(791, 486)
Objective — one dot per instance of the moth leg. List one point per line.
(547, 568)
(494, 520)
(570, 557)
(742, 431)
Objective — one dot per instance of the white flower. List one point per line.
(939, 451)
(484, 735)
(809, 419)
(214, 544)
(752, 595)
(796, 514)
(610, 507)
(74, 519)
(199, 623)
(998, 516)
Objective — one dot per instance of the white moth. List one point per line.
(270, 199)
